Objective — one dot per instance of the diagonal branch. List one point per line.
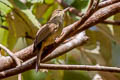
(90, 4)
(24, 54)
(78, 40)
(96, 18)
(6, 62)
(107, 2)
(78, 13)
(4, 27)
(102, 4)
(11, 54)
(72, 9)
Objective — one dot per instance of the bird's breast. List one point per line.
(51, 38)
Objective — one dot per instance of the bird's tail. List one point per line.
(38, 60)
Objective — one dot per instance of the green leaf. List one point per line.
(48, 13)
(76, 75)
(49, 1)
(21, 23)
(33, 75)
(22, 8)
(116, 28)
(115, 54)
(80, 4)
(104, 42)
(40, 9)
(5, 6)
(3, 36)
(105, 29)
(7, 3)
(91, 44)
(20, 44)
(105, 46)
(0, 20)
(116, 46)
(35, 1)
(18, 28)
(69, 2)
(55, 75)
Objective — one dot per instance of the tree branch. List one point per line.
(58, 67)
(72, 9)
(77, 41)
(111, 22)
(100, 5)
(97, 17)
(90, 4)
(25, 54)
(100, 15)
(78, 13)
(11, 54)
(4, 27)
(107, 2)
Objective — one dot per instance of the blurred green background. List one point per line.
(22, 19)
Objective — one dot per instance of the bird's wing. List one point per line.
(42, 34)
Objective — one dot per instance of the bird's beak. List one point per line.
(66, 9)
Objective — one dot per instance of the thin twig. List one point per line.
(28, 36)
(90, 11)
(11, 54)
(111, 22)
(24, 54)
(58, 67)
(78, 13)
(109, 9)
(78, 23)
(4, 27)
(80, 67)
(90, 4)
(107, 2)
(72, 9)
(27, 52)
(77, 41)
(101, 4)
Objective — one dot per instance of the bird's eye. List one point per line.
(59, 10)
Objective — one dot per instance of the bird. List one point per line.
(47, 34)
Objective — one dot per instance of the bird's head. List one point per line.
(59, 14)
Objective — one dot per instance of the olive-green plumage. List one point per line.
(47, 34)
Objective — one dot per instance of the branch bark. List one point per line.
(100, 16)
(59, 67)
(16, 59)
(111, 22)
(25, 54)
(78, 13)
(107, 2)
(78, 40)
(102, 4)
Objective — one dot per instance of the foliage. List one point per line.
(24, 17)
